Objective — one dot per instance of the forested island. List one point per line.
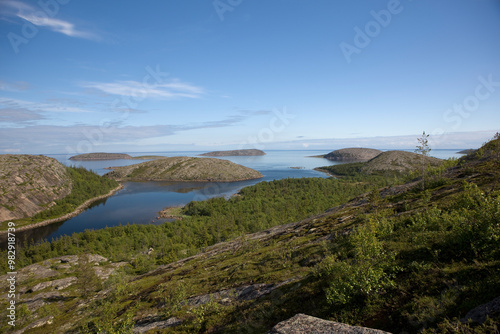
(396, 251)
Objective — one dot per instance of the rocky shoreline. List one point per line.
(72, 214)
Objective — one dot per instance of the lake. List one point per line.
(140, 202)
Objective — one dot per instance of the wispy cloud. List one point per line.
(57, 138)
(248, 112)
(21, 111)
(39, 18)
(19, 115)
(458, 140)
(169, 90)
(16, 86)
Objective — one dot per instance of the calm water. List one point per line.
(140, 202)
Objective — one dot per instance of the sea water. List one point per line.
(140, 202)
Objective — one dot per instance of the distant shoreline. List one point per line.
(72, 214)
(324, 171)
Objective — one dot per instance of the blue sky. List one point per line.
(130, 76)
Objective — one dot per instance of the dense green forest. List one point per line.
(255, 208)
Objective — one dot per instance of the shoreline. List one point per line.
(69, 215)
(327, 172)
(187, 181)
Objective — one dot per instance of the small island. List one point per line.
(185, 169)
(100, 156)
(356, 154)
(234, 153)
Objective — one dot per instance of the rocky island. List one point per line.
(233, 153)
(352, 154)
(100, 156)
(184, 169)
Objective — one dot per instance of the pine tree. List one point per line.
(88, 281)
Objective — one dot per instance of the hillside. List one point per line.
(352, 154)
(184, 169)
(247, 152)
(399, 161)
(386, 163)
(38, 190)
(394, 258)
(100, 156)
(29, 184)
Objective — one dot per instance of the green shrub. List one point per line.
(362, 275)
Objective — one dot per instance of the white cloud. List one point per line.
(40, 138)
(138, 90)
(21, 111)
(40, 18)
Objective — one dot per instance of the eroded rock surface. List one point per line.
(29, 184)
(305, 324)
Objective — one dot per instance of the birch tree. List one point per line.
(423, 149)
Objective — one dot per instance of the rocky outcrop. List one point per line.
(480, 314)
(399, 161)
(30, 184)
(49, 282)
(101, 156)
(303, 324)
(231, 153)
(352, 154)
(39, 323)
(242, 293)
(57, 284)
(185, 169)
(147, 325)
